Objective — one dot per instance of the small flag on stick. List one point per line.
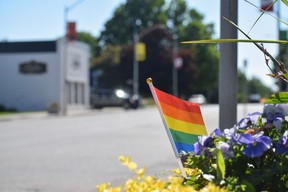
(182, 120)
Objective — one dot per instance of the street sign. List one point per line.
(140, 51)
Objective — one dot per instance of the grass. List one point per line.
(4, 113)
(7, 113)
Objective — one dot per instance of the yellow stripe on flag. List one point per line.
(185, 127)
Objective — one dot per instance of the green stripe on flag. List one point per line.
(182, 137)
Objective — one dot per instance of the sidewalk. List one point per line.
(70, 113)
(42, 114)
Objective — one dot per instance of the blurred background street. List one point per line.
(74, 153)
(65, 63)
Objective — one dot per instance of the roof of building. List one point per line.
(25, 47)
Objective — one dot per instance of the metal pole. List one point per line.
(135, 67)
(63, 96)
(174, 68)
(228, 66)
(245, 89)
(174, 54)
(278, 21)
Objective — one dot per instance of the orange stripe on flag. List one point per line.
(176, 102)
(179, 114)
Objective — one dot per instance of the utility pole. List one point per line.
(228, 66)
(135, 66)
(174, 67)
(245, 88)
(64, 84)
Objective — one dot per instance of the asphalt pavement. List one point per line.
(47, 153)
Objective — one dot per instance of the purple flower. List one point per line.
(283, 107)
(251, 118)
(202, 144)
(217, 132)
(278, 123)
(243, 123)
(273, 108)
(275, 114)
(225, 149)
(230, 133)
(282, 146)
(255, 145)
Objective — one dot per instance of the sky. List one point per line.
(33, 20)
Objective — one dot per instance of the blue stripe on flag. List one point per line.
(184, 147)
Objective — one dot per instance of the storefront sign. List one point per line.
(32, 67)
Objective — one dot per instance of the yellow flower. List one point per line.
(213, 188)
(176, 180)
(176, 185)
(115, 189)
(149, 179)
(150, 184)
(103, 187)
(127, 162)
(124, 160)
(189, 172)
(140, 173)
(132, 166)
(121, 158)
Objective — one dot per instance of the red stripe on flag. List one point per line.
(176, 102)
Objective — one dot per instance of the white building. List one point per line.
(44, 75)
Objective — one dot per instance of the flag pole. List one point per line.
(149, 82)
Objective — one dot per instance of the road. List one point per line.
(75, 153)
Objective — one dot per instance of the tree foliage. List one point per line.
(90, 40)
(160, 25)
(129, 18)
(251, 86)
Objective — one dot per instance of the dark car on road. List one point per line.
(254, 98)
(100, 98)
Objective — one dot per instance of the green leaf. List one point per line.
(285, 75)
(266, 12)
(221, 168)
(234, 41)
(259, 121)
(281, 97)
(259, 46)
(247, 186)
(285, 2)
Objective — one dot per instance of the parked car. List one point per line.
(100, 98)
(197, 98)
(254, 98)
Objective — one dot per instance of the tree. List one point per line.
(90, 40)
(159, 27)
(256, 86)
(108, 64)
(188, 25)
(129, 18)
(252, 86)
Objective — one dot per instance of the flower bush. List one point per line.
(251, 156)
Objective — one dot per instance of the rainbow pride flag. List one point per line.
(182, 119)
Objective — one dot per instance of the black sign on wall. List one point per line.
(33, 67)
